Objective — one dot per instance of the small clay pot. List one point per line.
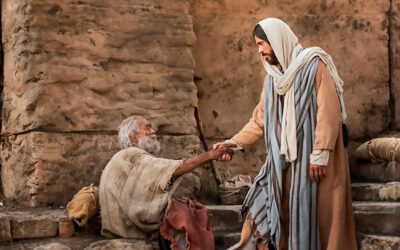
(66, 228)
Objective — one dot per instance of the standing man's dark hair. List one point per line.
(259, 32)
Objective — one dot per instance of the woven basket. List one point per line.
(232, 195)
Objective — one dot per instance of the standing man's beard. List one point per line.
(149, 143)
(271, 59)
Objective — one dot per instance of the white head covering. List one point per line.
(286, 47)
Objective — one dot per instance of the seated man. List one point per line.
(136, 187)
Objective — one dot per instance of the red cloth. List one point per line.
(190, 216)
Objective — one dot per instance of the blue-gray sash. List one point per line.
(264, 199)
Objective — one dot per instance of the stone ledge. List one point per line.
(225, 218)
(377, 217)
(370, 172)
(225, 240)
(29, 224)
(373, 242)
(376, 191)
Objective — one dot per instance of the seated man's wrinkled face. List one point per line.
(147, 139)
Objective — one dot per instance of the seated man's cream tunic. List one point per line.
(135, 191)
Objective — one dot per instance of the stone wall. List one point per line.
(73, 70)
(229, 74)
(394, 45)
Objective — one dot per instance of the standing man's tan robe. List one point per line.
(334, 208)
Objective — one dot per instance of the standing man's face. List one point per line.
(266, 51)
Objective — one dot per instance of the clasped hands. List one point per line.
(317, 172)
(224, 156)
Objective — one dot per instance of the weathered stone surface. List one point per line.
(377, 217)
(5, 228)
(179, 147)
(49, 168)
(225, 218)
(41, 169)
(301, 7)
(76, 242)
(34, 223)
(395, 62)
(367, 171)
(52, 246)
(375, 242)
(120, 244)
(376, 191)
(85, 66)
(230, 75)
(189, 187)
(225, 240)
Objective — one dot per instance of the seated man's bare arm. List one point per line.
(197, 161)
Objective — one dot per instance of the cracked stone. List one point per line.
(5, 228)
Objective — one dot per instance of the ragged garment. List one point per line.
(189, 216)
(135, 191)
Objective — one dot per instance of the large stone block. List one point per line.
(363, 171)
(87, 65)
(229, 77)
(377, 217)
(35, 223)
(395, 62)
(49, 168)
(178, 147)
(5, 228)
(225, 218)
(376, 191)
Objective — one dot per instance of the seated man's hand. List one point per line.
(226, 151)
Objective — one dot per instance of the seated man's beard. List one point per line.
(149, 143)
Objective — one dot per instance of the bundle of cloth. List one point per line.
(84, 205)
(379, 150)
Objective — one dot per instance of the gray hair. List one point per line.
(129, 126)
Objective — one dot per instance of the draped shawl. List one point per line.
(264, 197)
(292, 58)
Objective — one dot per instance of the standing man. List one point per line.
(301, 197)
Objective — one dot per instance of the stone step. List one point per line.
(373, 242)
(225, 240)
(380, 218)
(364, 171)
(90, 242)
(225, 218)
(30, 223)
(376, 191)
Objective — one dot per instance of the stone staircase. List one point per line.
(376, 204)
(37, 229)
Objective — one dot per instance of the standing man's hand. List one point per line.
(317, 172)
(224, 157)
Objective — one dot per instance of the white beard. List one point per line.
(149, 143)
